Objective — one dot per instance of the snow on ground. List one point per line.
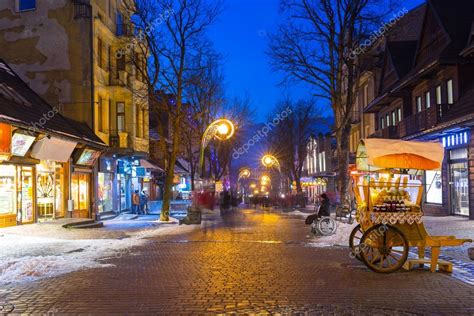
(28, 255)
(340, 238)
(298, 213)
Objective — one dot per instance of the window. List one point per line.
(394, 118)
(399, 110)
(382, 123)
(439, 98)
(26, 5)
(387, 120)
(143, 115)
(120, 116)
(449, 86)
(100, 126)
(366, 95)
(418, 104)
(434, 187)
(427, 100)
(100, 54)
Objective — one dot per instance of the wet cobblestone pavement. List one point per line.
(248, 262)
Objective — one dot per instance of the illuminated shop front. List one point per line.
(105, 182)
(81, 182)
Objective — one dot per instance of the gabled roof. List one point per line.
(456, 17)
(402, 54)
(20, 105)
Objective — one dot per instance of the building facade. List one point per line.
(426, 93)
(318, 167)
(76, 55)
(39, 149)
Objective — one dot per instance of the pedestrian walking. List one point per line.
(136, 202)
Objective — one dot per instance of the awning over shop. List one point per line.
(376, 153)
(55, 149)
(149, 165)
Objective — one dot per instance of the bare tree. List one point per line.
(171, 33)
(205, 98)
(240, 112)
(314, 45)
(289, 139)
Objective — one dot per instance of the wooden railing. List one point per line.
(423, 120)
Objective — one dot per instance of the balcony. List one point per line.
(390, 132)
(423, 120)
(120, 78)
(118, 139)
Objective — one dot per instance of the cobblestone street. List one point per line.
(246, 262)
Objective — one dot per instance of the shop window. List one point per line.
(450, 93)
(439, 95)
(427, 100)
(45, 189)
(25, 5)
(434, 187)
(25, 196)
(105, 181)
(7, 190)
(418, 104)
(80, 193)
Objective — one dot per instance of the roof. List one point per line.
(402, 54)
(20, 105)
(458, 28)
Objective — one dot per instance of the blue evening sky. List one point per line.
(241, 36)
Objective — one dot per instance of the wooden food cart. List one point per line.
(388, 191)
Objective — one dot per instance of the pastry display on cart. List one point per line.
(389, 192)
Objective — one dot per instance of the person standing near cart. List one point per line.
(136, 202)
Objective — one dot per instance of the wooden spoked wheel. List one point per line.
(354, 241)
(383, 248)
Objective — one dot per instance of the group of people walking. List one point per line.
(140, 202)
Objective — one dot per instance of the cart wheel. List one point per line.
(354, 241)
(383, 248)
(326, 226)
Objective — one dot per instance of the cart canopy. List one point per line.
(375, 153)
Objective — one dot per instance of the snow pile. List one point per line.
(340, 238)
(31, 258)
(299, 213)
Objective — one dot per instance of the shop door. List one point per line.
(80, 191)
(25, 197)
(459, 188)
(45, 194)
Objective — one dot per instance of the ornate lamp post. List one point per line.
(221, 129)
(270, 161)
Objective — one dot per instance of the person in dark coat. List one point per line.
(324, 209)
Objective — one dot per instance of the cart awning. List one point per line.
(376, 153)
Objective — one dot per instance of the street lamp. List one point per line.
(270, 161)
(222, 129)
(244, 174)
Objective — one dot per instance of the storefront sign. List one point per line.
(88, 157)
(457, 139)
(21, 143)
(107, 165)
(5, 141)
